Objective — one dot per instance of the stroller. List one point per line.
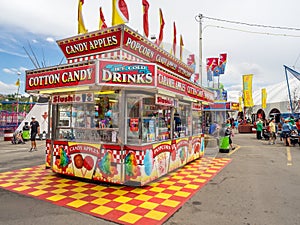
(266, 133)
(17, 138)
(294, 138)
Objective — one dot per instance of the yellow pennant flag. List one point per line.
(263, 98)
(240, 104)
(247, 90)
(120, 13)
(81, 27)
(18, 83)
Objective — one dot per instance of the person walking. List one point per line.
(286, 130)
(272, 128)
(35, 129)
(259, 128)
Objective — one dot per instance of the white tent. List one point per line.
(40, 111)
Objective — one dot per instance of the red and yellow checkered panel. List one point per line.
(151, 205)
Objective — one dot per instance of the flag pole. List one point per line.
(288, 85)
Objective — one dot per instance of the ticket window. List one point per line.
(196, 121)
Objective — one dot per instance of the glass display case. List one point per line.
(95, 121)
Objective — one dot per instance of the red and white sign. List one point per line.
(90, 44)
(61, 77)
(126, 73)
(164, 100)
(174, 84)
(79, 98)
(196, 106)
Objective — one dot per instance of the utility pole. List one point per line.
(19, 83)
(199, 20)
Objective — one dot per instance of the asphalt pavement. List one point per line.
(260, 186)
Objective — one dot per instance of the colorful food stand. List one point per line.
(122, 110)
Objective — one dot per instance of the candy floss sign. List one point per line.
(61, 77)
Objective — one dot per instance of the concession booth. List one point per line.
(122, 110)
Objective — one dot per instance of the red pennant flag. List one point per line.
(161, 31)
(191, 59)
(145, 17)
(102, 23)
(174, 39)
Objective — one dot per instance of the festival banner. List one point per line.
(145, 17)
(247, 90)
(263, 98)
(120, 13)
(81, 27)
(212, 68)
(102, 24)
(222, 63)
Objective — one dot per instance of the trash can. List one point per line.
(224, 146)
(8, 134)
(26, 133)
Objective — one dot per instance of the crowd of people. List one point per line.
(287, 130)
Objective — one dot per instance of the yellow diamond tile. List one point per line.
(98, 188)
(101, 210)
(38, 192)
(191, 186)
(56, 198)
(138, 190)
(182, 194)
(78, 196)
(174, 188)
(143, 197)
(200, 180)
(216, 167)
(126, 207)
(122, 199)
(79, 184)
(100, 201)
(27, 183)
(99, 194)
(206, 175)
(168, 182)
(22, 188)
(163, 195)
(211, 171)
(184, 181)
(77, 203)
(155, 215)
(192, 176)
(41, 187)
(170, 203)
(130, 218)
(156, 189)
(119, 192)
(7, 184)
(148, 205)
(59, 191)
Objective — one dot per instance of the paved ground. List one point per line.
(260, 186)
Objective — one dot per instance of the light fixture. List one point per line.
(70, 89)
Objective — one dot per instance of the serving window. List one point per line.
(146, 121)
(94, 120)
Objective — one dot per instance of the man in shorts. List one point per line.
(35, 129)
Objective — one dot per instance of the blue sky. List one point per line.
(39, 23)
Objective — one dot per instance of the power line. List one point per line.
(249, 24)
(253, 32)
